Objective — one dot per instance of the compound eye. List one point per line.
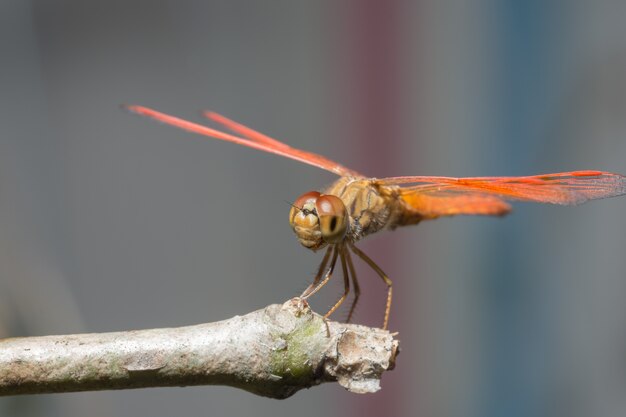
(305, 198)
(333, 218)
(303, 205)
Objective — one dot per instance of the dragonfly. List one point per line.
(356, 206)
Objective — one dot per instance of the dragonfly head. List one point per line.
(318, 220)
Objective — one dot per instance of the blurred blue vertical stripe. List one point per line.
(527, 48)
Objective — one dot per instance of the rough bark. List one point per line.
(273, 352)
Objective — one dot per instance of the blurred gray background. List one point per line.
(112, 222)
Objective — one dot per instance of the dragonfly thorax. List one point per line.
(318, 220)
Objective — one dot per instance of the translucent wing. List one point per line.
(445, 196)
(251, 139)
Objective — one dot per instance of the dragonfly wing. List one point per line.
(485, 195)
(253, 139)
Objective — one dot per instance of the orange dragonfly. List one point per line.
(355, 206)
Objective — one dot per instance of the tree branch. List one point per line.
(273, 352)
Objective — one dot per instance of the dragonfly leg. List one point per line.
(385, 278)
(355, 282)
(346, 283)
(327, 276)
(319, 275)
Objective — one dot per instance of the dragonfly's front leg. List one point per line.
(327, 276)
(320, 273)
